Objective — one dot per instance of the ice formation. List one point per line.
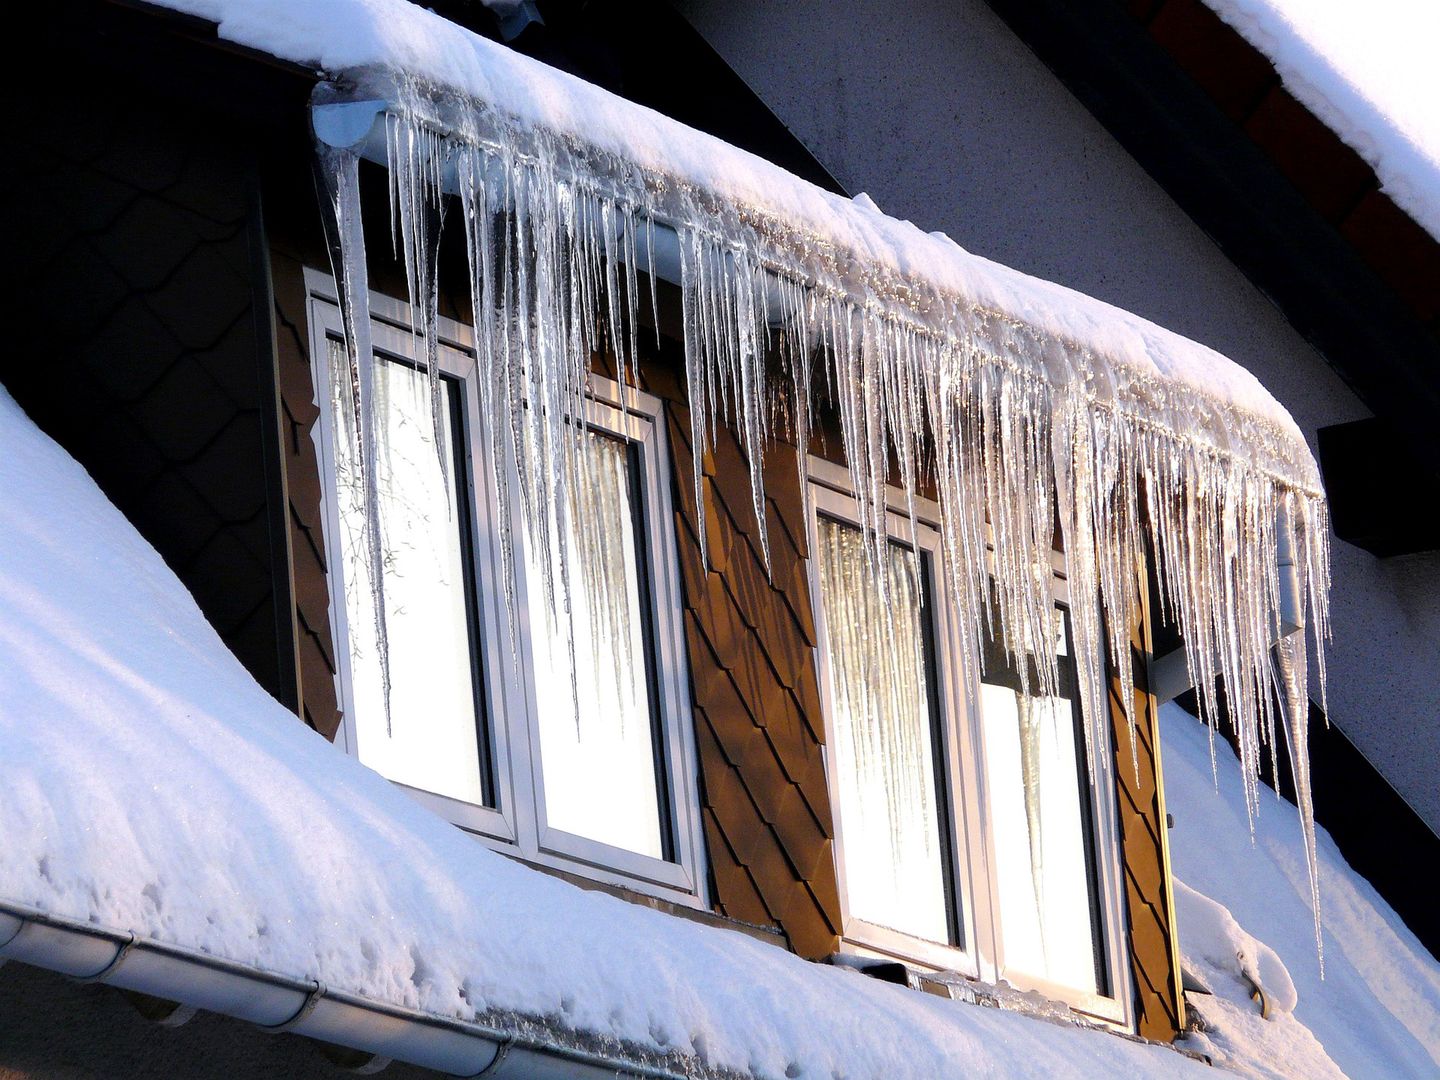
(1016, 405)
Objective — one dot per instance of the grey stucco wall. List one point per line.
(943, 116)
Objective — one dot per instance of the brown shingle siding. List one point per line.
(750, 638)
(315, 646)
(1144, 840)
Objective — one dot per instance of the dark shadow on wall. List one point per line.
(52, 1028)
(129, 223)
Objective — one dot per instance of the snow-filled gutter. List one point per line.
(277, 1003)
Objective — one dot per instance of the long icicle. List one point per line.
(339, 181)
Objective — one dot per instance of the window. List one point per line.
(574, 751)
(969, 835)
(1042, 824)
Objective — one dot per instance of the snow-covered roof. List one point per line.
(149, 786)
(1368, 71)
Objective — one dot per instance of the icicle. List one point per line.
(338, 173)
(1011, 428)
(417, 213)
(1030, 734)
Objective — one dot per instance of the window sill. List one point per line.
(934, 977)
(768, 934)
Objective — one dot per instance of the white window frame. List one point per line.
(950, 752)
(516, 823)
(974, 878)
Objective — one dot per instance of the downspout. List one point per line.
(1170, 674)
(274, 1002)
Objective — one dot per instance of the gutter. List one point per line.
(276, 1003)
(360, 127)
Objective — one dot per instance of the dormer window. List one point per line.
(1042, 814)
(889, 775)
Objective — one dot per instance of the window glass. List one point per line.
(1039, 810)
(598, 760)
(432, 740)
(878, 653)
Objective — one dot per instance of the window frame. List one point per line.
(509, 726)
(955, 831)
(1115, 1007)
(974, 873)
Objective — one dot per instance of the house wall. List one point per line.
(944, 117)
(132, 339)
(54, 1028)
(754, 683)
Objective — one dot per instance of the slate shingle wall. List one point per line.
(132, 339)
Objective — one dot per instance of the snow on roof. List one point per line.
(149, 785)
(1368, 71)
(348, 35)
(1376, 1013)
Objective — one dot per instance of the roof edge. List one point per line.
(504, 1045)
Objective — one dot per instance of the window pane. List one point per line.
(599, 764)
(1041, 819)
(433, 739)
(878, 657)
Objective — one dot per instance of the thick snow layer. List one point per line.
(1244, 918)
(148, 784)
(341, 35)
(1367, 70)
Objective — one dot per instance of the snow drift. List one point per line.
(1243, 908)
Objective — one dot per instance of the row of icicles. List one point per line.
(560, 253)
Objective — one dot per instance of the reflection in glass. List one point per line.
(878, 653)
(599, 766)
(1039, 813)
(433, 739)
